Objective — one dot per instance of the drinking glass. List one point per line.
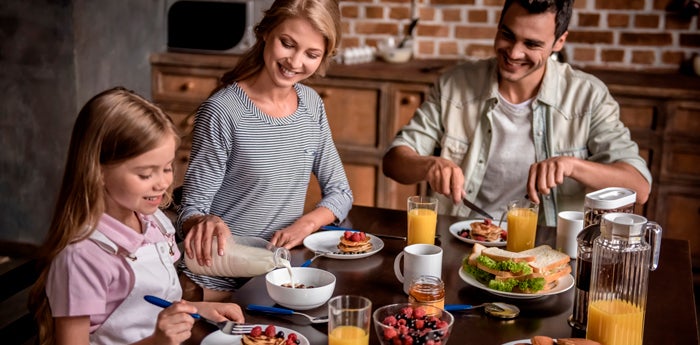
(522, 225)
(348, 320)
(422, 219)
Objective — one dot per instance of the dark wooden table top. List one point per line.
(670, 316)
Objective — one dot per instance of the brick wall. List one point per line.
(611, 34)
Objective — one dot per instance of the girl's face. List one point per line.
(293, 52)
(139, 184)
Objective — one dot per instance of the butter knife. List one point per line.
(476, 208)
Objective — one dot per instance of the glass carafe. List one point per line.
(243, 257)
(622, 259)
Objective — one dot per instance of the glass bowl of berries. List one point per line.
(410, 323)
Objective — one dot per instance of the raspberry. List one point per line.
(487, 221)
(390, 333)
(292, 336)
(256, 331)
(420, 324)
(270, 331)
(356, 237)
(419, 313)
(390, 321)
(407, 312)
(347, 235)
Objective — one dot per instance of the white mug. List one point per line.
(569, 224)
(419, 259)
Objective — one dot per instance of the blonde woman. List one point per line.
(257, 140)
(109, 244)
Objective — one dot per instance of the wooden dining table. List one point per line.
(670, 315)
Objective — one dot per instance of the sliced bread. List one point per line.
(499, 254)
(546, 259)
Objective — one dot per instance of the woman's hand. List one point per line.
(174, 324)
(292, 235)
(200, 231)
(219, 312)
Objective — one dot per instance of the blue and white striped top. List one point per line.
(252, 169)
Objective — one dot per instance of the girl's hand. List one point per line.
(201, 230)
(174, 324)
(292, 235)
(219, 312)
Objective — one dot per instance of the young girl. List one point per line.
(257, 140)
(109, 244)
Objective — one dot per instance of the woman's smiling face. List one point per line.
(293, 51)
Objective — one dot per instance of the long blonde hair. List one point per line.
(112, 127)
(324, 16)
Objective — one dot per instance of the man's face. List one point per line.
(523, 44)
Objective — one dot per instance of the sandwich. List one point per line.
(529, 271)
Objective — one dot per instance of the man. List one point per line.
(519, 123)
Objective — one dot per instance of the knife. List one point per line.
(476, 208)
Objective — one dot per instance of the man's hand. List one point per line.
(548, 174)
(200, 232)
(445, 177)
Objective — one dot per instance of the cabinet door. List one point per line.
(406, 98)
(678, 212)
(362, 179)
(681, 158)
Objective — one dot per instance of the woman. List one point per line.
(259, 137)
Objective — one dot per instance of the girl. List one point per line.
(109, 244)
(257, 140)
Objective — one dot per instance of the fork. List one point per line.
(228, 327)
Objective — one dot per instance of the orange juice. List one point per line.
(615, 322)
(522, 227)
(348, 335)
(421, 226)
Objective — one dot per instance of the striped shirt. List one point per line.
(253, 170)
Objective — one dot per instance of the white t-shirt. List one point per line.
(511, 154)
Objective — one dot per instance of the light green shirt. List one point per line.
(573, 115)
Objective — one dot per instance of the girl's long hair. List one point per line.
(324, 16)
(112, 127)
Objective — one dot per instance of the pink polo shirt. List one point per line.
(84, 279)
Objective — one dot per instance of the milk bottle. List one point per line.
(243, 257)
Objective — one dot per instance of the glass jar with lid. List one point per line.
(427, 290)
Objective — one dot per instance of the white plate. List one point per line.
(457, 227)
(327, 241)
(521, 341)
(221, 338)
(563, 284)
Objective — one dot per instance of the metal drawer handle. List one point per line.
(187, 86)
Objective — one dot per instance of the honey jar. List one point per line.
(427, 290)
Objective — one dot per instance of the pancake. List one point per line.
(347, 245)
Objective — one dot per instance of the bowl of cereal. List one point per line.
(312, 287)
(409, 323)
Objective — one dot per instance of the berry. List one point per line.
(270, 331)
(256, 331)
(390, 321)
(390, 333)
(356, 237)
(420, 324)
(292, 336)
(280, 335)
(419, 313)
(487, 221)
(347, 235)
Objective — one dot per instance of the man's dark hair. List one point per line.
(563, 10)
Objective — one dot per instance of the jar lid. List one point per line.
(610, 198)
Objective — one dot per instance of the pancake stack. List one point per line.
(354, 242)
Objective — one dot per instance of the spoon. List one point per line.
(283, 311)
(496, 309)
(317, 254)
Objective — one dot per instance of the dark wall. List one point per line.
(54, 56)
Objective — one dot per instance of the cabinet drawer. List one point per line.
(183, 84)
(183, 120)
(353, 114)
(681, 160)
(678, 212)
(363, 183)
(684, 119)
(638, 116)
(182, 159)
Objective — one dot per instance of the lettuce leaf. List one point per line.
(518, 268)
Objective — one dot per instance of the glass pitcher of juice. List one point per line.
(244, 256)
(622, 259)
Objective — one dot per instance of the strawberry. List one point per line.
(270, 331)
(256, 331)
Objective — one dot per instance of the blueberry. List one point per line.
(279, 334)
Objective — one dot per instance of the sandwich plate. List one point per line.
(327, 241)
(465, 224)
(221, 338)
(563, 284)
(517, 342)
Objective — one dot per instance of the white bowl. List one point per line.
(323, 283)
(396, 55)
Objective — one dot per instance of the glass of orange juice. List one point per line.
(348, 320)
(522, 225)
(422, 219)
